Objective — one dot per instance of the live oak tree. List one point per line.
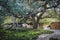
(46, 4)
(26, 8)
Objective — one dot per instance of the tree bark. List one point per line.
(35, 24)
(43, 11)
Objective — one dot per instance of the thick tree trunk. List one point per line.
(35, 24)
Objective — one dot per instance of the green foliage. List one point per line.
(23, 34)
(14, 6)
(22, 7)
(50, 14)
(37, 6)
(48, 21)
(19, 7)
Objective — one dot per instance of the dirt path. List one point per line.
(55, 36)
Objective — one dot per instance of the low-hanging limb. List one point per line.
(45, 8)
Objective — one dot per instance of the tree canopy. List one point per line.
(26, 8)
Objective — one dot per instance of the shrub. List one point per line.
(26, 34)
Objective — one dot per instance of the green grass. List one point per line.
(24, 34)
(48, 21)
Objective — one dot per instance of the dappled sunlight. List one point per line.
(29, 19)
